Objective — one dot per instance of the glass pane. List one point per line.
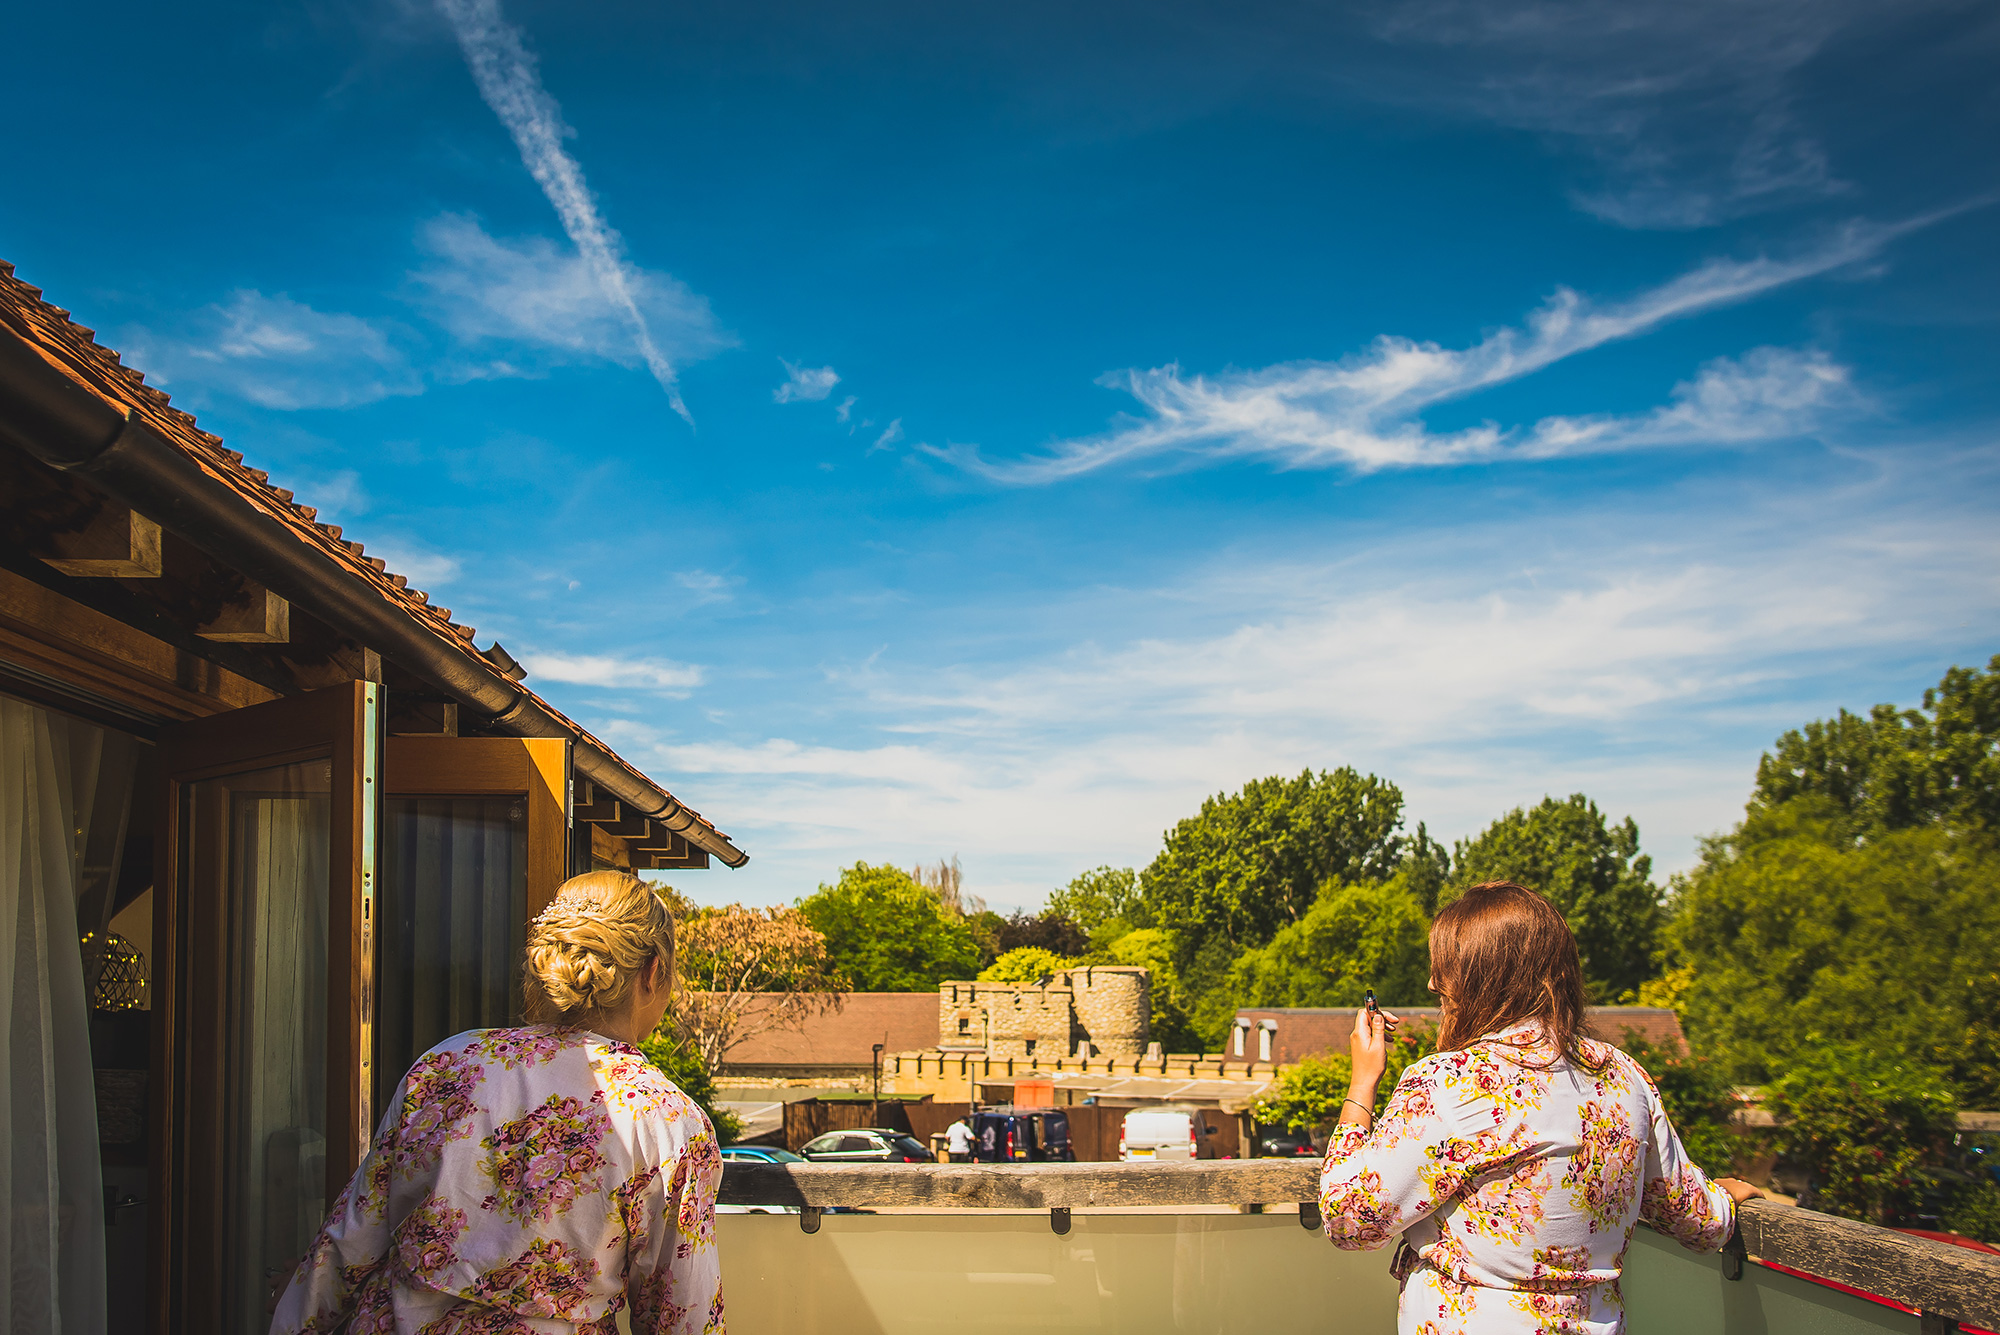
(454, 901)
(263, 839)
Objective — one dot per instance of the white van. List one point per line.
(1157, 1133)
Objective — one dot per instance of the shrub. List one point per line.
(1308, 1096)
(1024, 964)
(1862, 1125)
(1975, 1211)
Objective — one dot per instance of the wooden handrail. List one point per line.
(1934, 1277)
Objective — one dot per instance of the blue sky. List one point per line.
(925, 430)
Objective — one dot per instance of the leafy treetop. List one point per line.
(1899, 768)
(1025, 964)
(887, 933)
(1591, 870)
(1252, 861)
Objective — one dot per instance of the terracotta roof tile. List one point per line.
(74, 350)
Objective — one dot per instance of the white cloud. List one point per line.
(1686, 108)
(545, 303)
(807, 384)
(278, 353)
(707, 586)
(657, 674)
(844, 409)
(889, 437)
(1644, 658)
(511, 84)
(422, 567)
(1363, 412)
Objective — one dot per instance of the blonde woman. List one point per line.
(1516, 1161)
(536, 1179)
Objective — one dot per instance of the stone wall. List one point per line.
(1097, 1010)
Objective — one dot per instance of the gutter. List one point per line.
(49, 416)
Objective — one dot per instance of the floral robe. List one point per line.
(524, 1180)
(1516, 1189)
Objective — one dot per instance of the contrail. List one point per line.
(508, 80)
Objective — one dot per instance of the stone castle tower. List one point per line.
(1092, 1010)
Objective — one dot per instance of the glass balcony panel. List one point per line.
(1216, 1274)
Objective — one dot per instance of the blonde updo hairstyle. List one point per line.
(587, 947)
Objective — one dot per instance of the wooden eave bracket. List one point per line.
(257, 617)
(120, 543)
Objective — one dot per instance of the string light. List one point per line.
(121, 977)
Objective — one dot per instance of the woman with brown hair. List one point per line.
(1516, 1161)
(535, 1180)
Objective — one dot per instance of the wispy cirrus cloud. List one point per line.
(524, 302)
(511, 84)
(1686, 110)
(806, 384)
(652, 674)
(1644, 657)
(278, 353)
(1363, 412)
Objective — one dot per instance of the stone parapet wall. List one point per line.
(1096, 1010)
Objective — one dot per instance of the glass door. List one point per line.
(475, 842)
(263, 973)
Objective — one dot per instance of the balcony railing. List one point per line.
(1165, 1246)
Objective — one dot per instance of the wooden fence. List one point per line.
(1946, 1283)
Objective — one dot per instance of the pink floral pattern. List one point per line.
(523, 1181)
(542, 1162)
(1516, 1178)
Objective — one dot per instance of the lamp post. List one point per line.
(878, 1082)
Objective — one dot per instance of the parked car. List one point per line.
(866, 1144)
(1158, 1133)
(1021, 1135)
(1284, 1143)
(759, 1154)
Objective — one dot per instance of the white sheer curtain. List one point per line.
(280, 852)
(51, 1197)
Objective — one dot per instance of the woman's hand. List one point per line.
(1739, 1190)
(1369, 1048)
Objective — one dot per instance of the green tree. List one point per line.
(682, 1063)
(1863, 1126)
(1898, 768)
(1356, 937)
(1154, 948)
(1024, 964)
(1591, 870)
(1790, 936)
(887, 933)
(1098, 897)
(1426, 870)
(1252, 861)
(1308, 1095)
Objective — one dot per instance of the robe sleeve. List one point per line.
(1678, 1198)
(351, 1246)
(1429, 1142)
(674, 1275)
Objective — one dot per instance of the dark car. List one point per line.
(1021, 1135)
(865, 1144)
(1278, 1142)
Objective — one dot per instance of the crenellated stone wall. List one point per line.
(1095, 1010)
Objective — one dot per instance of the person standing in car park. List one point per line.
(958, 1142)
